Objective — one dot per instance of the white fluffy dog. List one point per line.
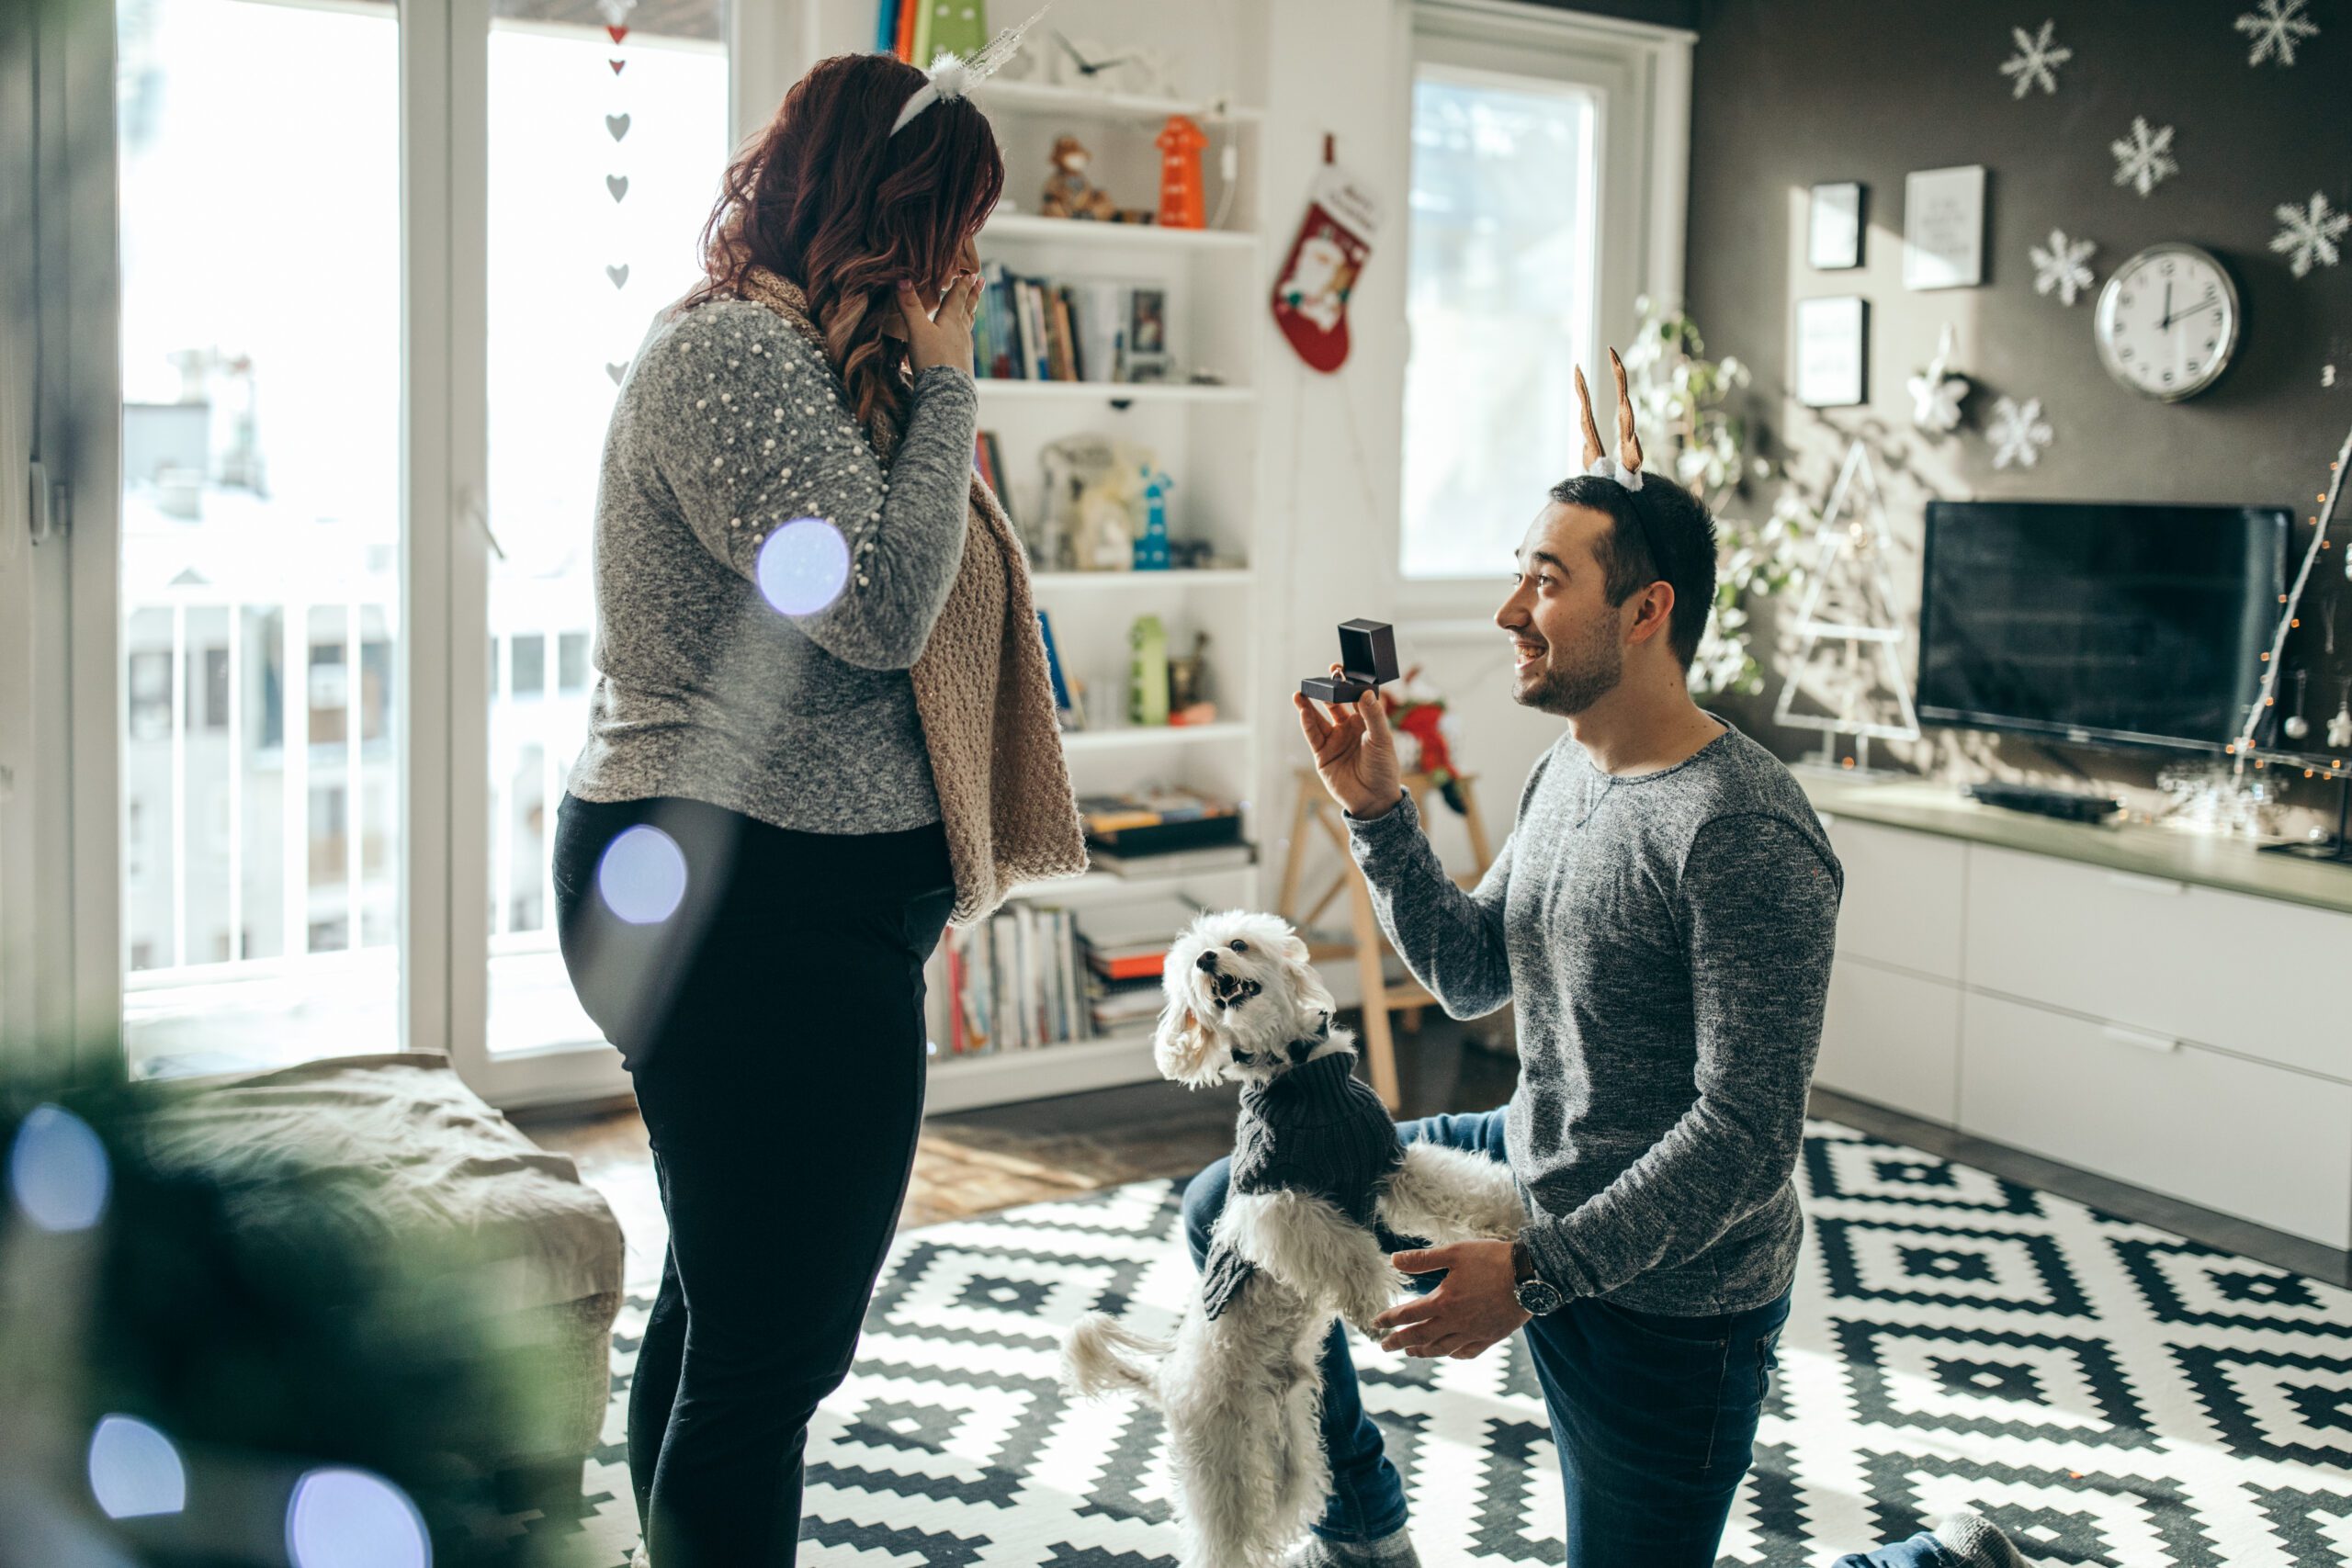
(1241, 1384)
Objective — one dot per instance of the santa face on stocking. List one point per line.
(1311, 292)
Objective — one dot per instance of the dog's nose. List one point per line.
(1206, 960)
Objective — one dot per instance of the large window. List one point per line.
(1500, 302)
(335, 493)
(261, 530)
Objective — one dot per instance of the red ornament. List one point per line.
(1181, 202)
(619, 32)
(616, 66)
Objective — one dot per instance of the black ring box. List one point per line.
(1368, 656)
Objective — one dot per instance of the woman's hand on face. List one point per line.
(946, 338)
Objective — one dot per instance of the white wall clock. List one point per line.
(2167, 321)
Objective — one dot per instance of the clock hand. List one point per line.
(2167, 320)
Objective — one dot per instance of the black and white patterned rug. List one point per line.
(2106, 1392)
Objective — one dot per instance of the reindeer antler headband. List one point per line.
(952, 77)
(1625, 467)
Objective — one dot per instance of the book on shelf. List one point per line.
(1173, 862)
(1130, 941)
(1013, 982)
(988, 461)
(1149, 821)
(1062, 705)
(1041, 329)
(1120, 1007)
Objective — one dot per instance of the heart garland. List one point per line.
(616, 126)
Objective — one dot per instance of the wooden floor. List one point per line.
(977, 1162)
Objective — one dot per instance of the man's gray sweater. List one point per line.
(1666, 941)
(730, 426)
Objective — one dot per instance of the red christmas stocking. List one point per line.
(1334, 241)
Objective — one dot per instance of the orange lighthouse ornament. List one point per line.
(1181, 204)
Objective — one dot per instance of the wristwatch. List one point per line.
(1538, 1297)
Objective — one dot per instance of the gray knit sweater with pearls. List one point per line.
(744, 680)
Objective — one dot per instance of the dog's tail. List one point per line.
(1100, 1354)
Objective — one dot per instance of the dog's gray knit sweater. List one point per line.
(1316, 1129)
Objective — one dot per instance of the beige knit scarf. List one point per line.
(985, 699)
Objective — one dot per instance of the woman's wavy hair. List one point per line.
(827, 198)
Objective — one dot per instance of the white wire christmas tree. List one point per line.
(2336, 762)
(1847, 632)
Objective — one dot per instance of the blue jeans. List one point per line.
(1654, 1417)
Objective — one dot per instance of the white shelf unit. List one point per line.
(1205, 437)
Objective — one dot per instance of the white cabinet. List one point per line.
(2256, 1141)
(2254, 976)
(2167, 1034)
(1903, 896)
(1893, 1038)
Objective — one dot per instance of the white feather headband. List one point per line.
(952, 76)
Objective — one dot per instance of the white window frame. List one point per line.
(1640, 77)
(61, 819)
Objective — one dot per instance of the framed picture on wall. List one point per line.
(1834, 237)
(1832, 350)
(1943, 228)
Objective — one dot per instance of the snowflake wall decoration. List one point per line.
(2276, 30)
(2019, 433)
(2036, 60)
(2144, 159)
(1937, 392)
(2310, 234)
(2060, 267)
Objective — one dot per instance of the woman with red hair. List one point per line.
(822, 727)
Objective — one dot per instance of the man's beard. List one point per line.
(1589, 672)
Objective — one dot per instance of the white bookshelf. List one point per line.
(975, 1081)
(1205, 434)
(1085, 103)
(1019, 226)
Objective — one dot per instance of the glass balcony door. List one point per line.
(261, 528)
(603, 131)
(382, 265)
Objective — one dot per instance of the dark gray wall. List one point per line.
(1789, 93)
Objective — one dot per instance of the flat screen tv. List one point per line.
(2098, 624)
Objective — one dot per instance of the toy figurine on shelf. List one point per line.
(1151, 538)
(1069, 193)
(1181, 202)
(1187, 698)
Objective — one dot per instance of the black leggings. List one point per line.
(774, 1025)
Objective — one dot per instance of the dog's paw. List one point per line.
(1369, 1304)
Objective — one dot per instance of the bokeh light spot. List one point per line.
(57, 1171)
(134, 1470)
(643, 875)
(804, 565)
(348, 1518)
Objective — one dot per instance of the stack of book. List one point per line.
(1033, 329)
(1014, 982)
(1151, 822)
(1126, 949)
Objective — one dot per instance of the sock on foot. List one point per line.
(1977, 1540)
(1394, 1550)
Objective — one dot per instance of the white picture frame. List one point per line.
(1943, 228)
(1834, 227)
(1831, 352)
